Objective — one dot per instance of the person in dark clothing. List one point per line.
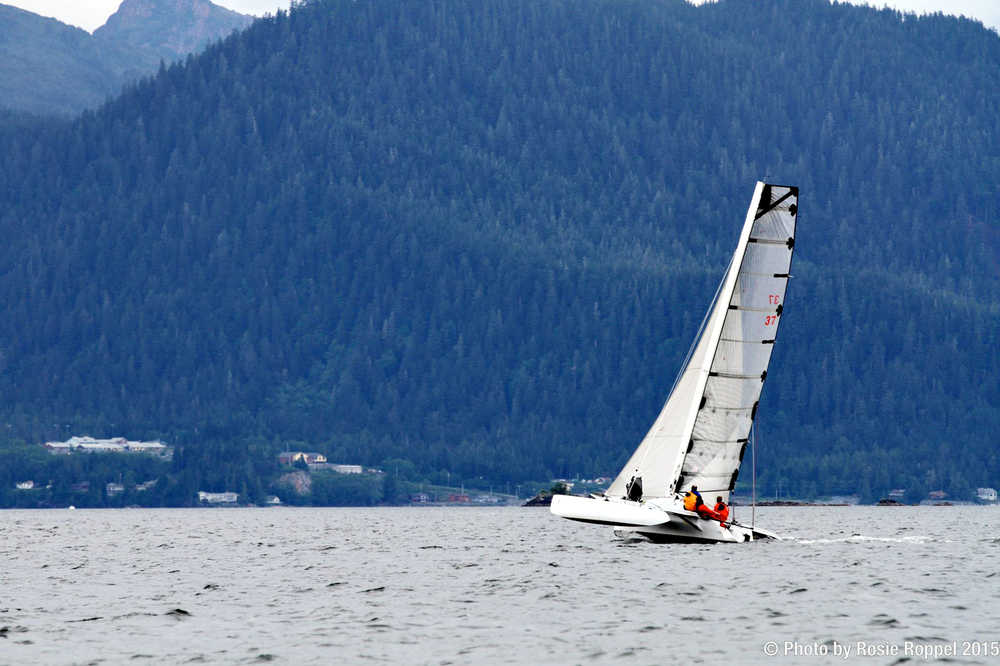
(633, 489)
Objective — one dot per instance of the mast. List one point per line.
(701, 434)
(753, 491)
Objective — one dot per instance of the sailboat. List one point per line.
(702, 433)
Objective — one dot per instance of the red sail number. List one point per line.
(770, 320)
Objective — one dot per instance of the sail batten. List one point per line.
(700, 435)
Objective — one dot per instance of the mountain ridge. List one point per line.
(173, 27)
(50, 68)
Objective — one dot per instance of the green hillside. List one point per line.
(480, 236)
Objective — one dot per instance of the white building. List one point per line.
(88, 444)
(986, 494)
(218, 498)
(339, 469)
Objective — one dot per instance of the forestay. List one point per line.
(701, 434)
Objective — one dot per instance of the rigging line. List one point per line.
(701, 329)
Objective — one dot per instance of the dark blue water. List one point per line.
(489, 586)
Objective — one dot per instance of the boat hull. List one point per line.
(660, 521)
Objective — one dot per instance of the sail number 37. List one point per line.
(773, 299)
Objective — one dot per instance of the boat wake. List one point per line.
(860, 538)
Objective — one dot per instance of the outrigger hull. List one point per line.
(662, 521)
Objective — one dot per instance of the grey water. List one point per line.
(434, 585)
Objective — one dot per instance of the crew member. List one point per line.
(721, 510)
(692, 500)
(633, 489)
(719, 513)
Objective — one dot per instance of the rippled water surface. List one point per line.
(472, 586)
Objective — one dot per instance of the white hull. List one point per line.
(660, 520)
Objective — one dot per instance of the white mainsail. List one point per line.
(700, 436)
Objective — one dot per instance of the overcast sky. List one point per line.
(91, 14)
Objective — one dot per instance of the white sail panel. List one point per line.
(751, 354)
(777, 224)
(766, 258)
(751, 326)
(759, 290)
(714, 465)
(731, 393)
(721, 425)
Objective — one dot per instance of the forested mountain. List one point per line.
(480, 236)
(50, 68)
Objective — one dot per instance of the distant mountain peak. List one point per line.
(173, 28)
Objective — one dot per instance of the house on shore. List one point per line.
(988, 495)
(227, 498)
(88, 444)
(291, 457)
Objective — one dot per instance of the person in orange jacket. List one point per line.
(721, 510)
(692, 500)
(719, 513)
